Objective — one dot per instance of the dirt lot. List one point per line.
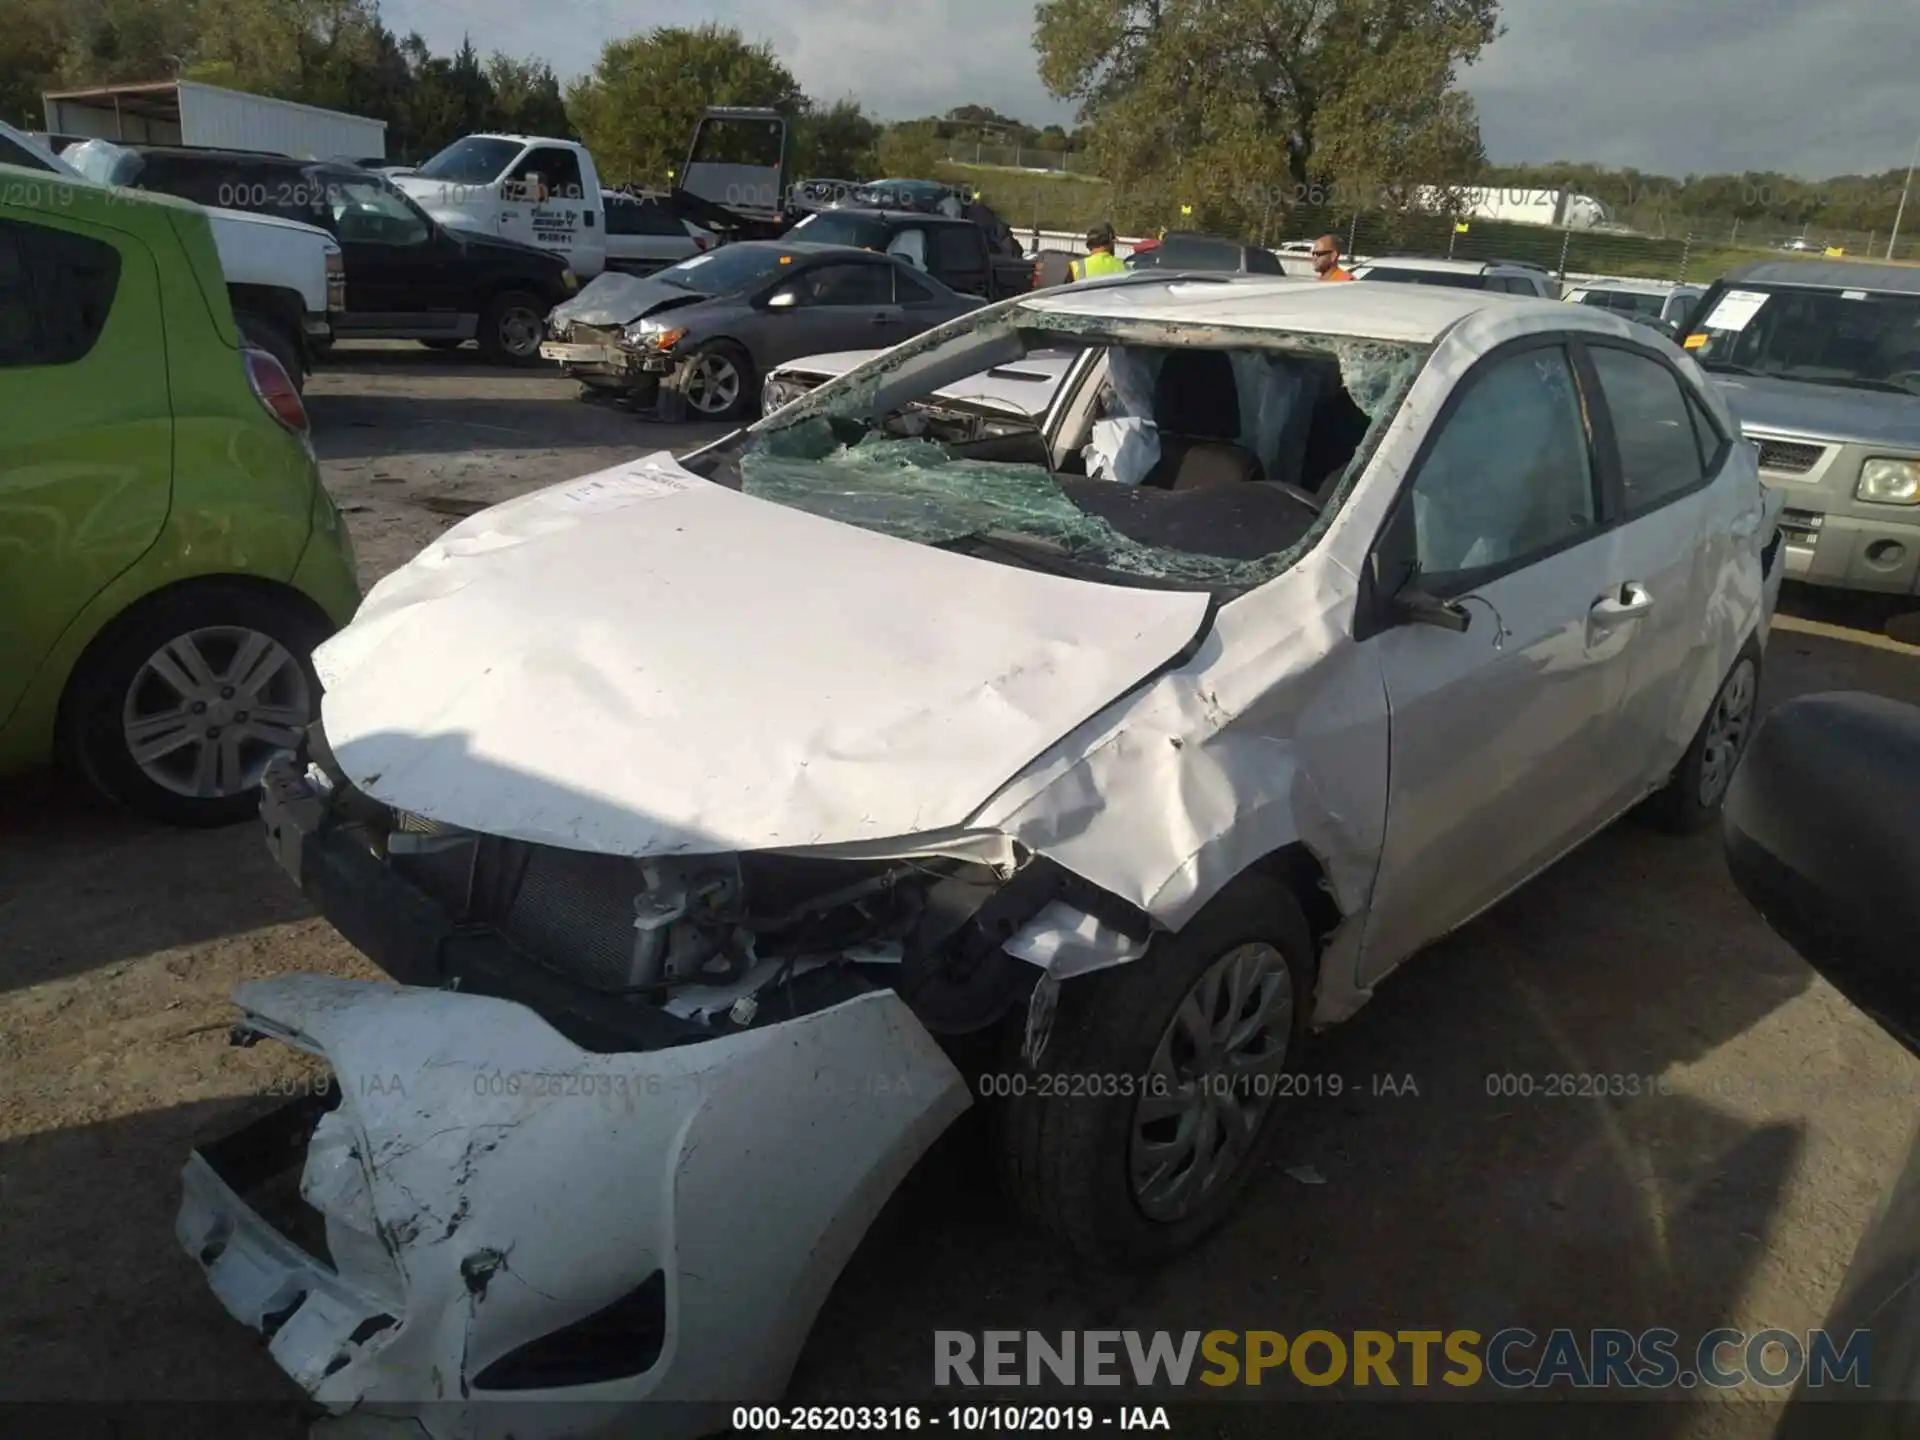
(1735, 1200)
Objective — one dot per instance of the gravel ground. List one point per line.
(1736, 1199)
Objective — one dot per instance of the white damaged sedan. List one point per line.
(716, 816)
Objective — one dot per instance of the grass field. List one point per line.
(1056, 201)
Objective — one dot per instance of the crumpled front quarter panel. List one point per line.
(1274, 733)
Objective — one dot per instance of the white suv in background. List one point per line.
(1502, 277)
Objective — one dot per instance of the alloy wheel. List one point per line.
(712, 383)
(207, 711)
(1214, 1076)
(1727, 731)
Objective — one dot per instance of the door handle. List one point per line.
(881, 318)
(1631, 601)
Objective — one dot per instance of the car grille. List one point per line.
(1789, 457)
(595, 335)
(1801, 527)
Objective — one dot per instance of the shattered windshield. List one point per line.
(1858, 339)
(1163, 463)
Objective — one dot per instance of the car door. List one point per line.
(403, 271)
(847, 305)
(548, 206)
(958, 259)
(918, 306)
(1668, 541)
(1505, 737)
(86, 445)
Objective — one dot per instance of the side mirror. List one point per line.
(1819, 835)
(783, 299)
(1416, 607)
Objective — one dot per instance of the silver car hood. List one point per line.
(642, 662)
(1822, 412)
(615, 298)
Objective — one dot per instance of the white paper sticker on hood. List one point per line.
(717, 673)
(617, 489)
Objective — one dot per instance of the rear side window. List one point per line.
(56, 292)
(650, 217)
(1653, 427)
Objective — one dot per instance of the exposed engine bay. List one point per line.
(674, 949)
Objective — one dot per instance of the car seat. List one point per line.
(1196, 409)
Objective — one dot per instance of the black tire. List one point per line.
(1690, 801)
(274, 338)
(443, 344)
(506, 322)
(112, 684)
(733, 358)
(1066, 1158)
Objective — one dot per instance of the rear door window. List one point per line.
(1653, 428)
(848, 285)
(56, 292)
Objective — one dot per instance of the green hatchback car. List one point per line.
(168, 555)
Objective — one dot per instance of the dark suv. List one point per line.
(408, 276)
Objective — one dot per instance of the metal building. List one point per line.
(185, 112)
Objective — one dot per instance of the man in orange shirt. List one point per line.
(1326, 259)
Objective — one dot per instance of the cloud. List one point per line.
(1668, 86)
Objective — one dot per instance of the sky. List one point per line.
(1667, 86)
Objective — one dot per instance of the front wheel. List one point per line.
(1158, 1089)
(1690, 801)
(176, 709)
(717, 380)
(511, 329)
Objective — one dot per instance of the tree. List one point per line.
(527, 98)
(840, 143)
(32, 44)
(1238, 106)
(910, 151)
(636, 110)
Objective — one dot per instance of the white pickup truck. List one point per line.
(287, 281)
(530, 188)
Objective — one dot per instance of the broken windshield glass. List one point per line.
(1253, 439)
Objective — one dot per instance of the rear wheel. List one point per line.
(274, 338)
(1159, 1088)
(175, 711)
(512, 326)
(1691, 799)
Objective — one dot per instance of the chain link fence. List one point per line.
(1016, 157)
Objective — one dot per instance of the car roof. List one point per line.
(1422, 262)
(223, 154)
(882, 212)
(1412, 314)
(1830, 275)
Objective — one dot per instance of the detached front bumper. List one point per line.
(494, 1225)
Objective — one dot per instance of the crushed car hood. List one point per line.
(1825, 412)
(643, 662)
(615, 298)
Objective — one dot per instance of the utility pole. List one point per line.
(1900, 214)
